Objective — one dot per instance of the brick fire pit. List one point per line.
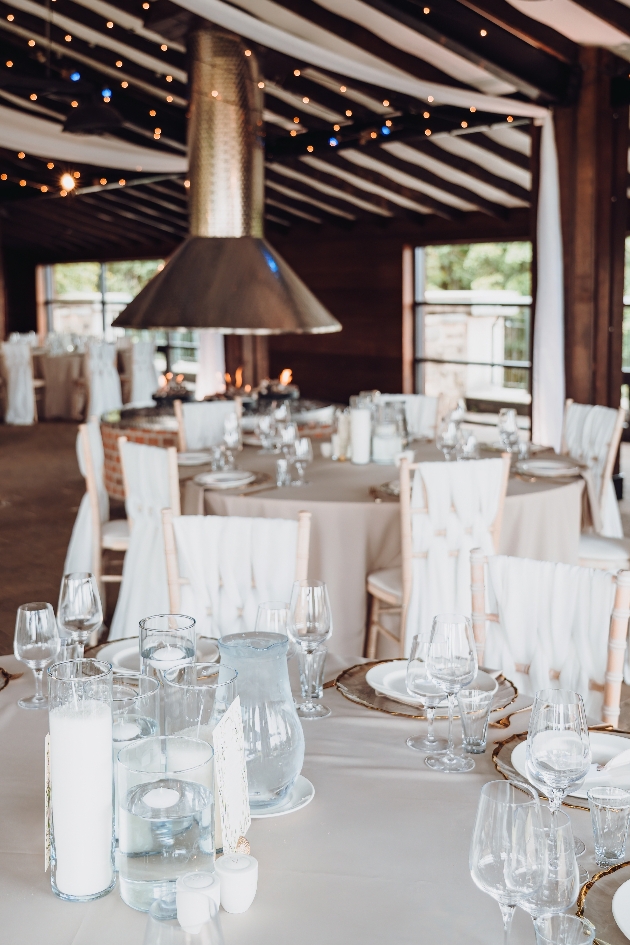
(153, 426)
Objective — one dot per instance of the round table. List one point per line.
(353, 535)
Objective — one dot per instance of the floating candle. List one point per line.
(161, 797)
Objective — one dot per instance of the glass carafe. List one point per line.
(274, 740)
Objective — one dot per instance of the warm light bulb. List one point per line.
(186, 184)
(464, 124)
(388, 123)
(31, 42)
(349, 112)
(373, 134)
(473, 109)
(309, 147)
(67, 181)
(76, 174)
(50, 165)
(21, 155)
(261, 85)
(342, 88)
(10, 18)
(74, 104)
(44, 189)
(124, 85)
(3, 176)
(293, 133)
(214, 93)
(430, 98)
(145, 6)
(157, 131)
(427, 132)
(426, 115)
(103, 181)
(483, 32)
(9, 64)
(122, 181)
(109, 25)
(163, 47)
(296, 72)
(22, 183)
(169, 78)
(169, 98)
(68, 38)
(119, 63)
(336, 127)
(509, 118)
(33, 97)
(248, 52)
(63, 193)
(385, 102)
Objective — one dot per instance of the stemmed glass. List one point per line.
(79, 612)
(449, 439)
(310, 623)
(508, 851)
(562, 885)
(558, 749)
(303, 456)
(428, 693)
(508, 429)
(36, 643)
(266, 425)
(451, 665)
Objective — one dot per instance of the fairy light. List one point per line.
(163, 47)
(373, 134)
(76, 175)
(464, 124)
(348, 112)
(21, 155)
(509, 118)
(31, 42)
(22, 183)
(122, 181)
(427, 132)
(50, 165)
(124, 85)
(68, 38)
(430, 98)
(426, 114)
(385, 102)
(483, 32)
(119, 63)
(3, 176)
(9, 64)
(44, 189)
(153, 113)
(63, 193)
(342, 88)
(214, 93)
(103, 181)
(388, 123)
(248, 52)
(293, 133)
(309, 148)
(109, 25)
(336, 127)
(169, 98)
(169, 78)
(473, 109)
(33, 97)
(74, 104)
(67, 182)
(10, 17)
(186, 184)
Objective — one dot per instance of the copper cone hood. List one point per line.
(225, 276)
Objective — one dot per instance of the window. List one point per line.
(473, 316)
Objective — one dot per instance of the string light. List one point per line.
(248, 52)
(109, 25)
(426, 10)
(430, 98)
(333, 142)
(157, 131)
(106, 93)
(349, 112)
(186, 184)
(388, 123)
(119, 63)
(74, 104)
(21, 155)
(163, 47)
(107, 98)
(169, 98)
(145, 6)
(464, 124)
(509, 118)
(152, 113)
(293, 133)
(426, 114)
(124, 85)
(68, 38)
(33, 97)
(9, 64)
(31, 42)
(22, 183)
(473, 109)
(483, 32)
(427, 132)
(103, 181)
(122, 181)
(385, 102)
(75, 76)
(342, 88)
(373, 134)
(67, 182)
(169, 78)
(63, 193)
(306, 99)
(50, 165)
(336, 127)
(10, 18)
(3, 176)
(76, 174)
(309, 147)
(214, 93)
(44, 189)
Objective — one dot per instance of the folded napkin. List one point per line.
(617, 769)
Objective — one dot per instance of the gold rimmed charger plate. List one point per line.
(353, 685)
(595, 903)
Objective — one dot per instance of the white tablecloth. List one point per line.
(379, 856)
(352, 535)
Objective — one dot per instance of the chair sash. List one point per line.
(18, 368)
(233, 564)
(144, 379)
(420, 412)
(588, 433)
(203, 422)
(144, 589)
(80, 554)
(103, 379)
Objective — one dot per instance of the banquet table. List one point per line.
(353, 535)
(59, 371)
(379, 856)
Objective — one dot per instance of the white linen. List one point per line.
(103, 379)
(420, 412)
(203, 422)
(80, 554)
(462, 501)
(18, 370)
(144, 379)
(211, 372)
(144, 588)
(588, 432)
(552, 617)
(233, 565)
(548, 387)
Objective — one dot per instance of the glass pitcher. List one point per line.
(274, 740)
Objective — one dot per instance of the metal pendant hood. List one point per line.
(225, 276)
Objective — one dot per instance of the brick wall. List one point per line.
(110, 432)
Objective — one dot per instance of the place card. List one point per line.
(231, 777)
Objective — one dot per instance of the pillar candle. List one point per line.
(238, 877)
(360, 435)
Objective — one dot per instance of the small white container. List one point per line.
(192, 891)
(238, 876)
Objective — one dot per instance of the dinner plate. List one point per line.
(388, 679)
(604, 746)
(546, 468)
(193, 459)
(301, 794)
(621, 908)
(124, 655)
(225, 479)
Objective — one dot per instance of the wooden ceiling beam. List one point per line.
(139, 217)
(543, 37)
(470, 168)
(310, 193)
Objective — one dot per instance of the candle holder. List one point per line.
(196, 697)
(81, 776)
(136, 713)
(166, 640)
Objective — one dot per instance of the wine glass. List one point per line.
(36, 643)
(79, 612)
(449, 439)
(507, 429)
(451, 665)
(266, 426)
(310, 623)
(429, 695)
(562, 885)
(508, 850)
(303, 456)
(558, 751)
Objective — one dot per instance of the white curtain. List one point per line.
(553, 618)
(420, 412)
(588, 433)
(144, 379)
(211, 371)
(203, 422)
(79, 556)
(233, 565)
(144, 588)
(103, 379)
(548, 389)
(18, 371)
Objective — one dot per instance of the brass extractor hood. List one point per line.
(225, 276)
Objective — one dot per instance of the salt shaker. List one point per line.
(238, 876)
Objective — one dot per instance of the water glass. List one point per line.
(563, 930)
(136, 714)
(474, 711)
(310, 624)
(79, 612)
(196, 697)
(507, 429)
(36, 643)
(427, 693)
(312, 682)
(610, 814)
(165, 815)
(303, 456)
(449, 439)
(166, 640)
(469, 448)
(266, 429)
(164, 928)
(283, 472)
(562, 884)
(272, 617)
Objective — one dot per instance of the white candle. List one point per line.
(81, 783)
(194, 892)
(161, 797)
(167, 657)
(360, 435)
(238, 876)
(125, 732)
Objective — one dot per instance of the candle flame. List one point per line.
(286, 376)
(228, 378)
(179, 378)
(162, 380)
(238, 377)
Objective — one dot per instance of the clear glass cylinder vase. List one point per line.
(81, 779)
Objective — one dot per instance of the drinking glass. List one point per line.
(428, 693)
(312, 679)
(36, 643)
(562, 884)
(451, 665)
(136, 714)
(449, 439)
(164, 926)
(310, 623)
(272, 617)
(507, 429)
(470, 448)
(508, 851)
(266, 428)
(196, 697)
(474, 712)
(79, 612)
(283, 472)
(303, 456)
(563, 930)
(166, 640)
(288, 434)
(610, 812)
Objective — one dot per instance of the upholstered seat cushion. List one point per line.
(115, 535)
(597, 551)
(386, 584)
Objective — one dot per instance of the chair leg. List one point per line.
(373, 627)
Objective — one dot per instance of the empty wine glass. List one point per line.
(562, 885)
(310, 623)
(507, 429)
(303, 456)
(36, 643)
(79, 612)
(266, 427)
(449, 439)
(508, 850)
(428, 694)
(451, 665)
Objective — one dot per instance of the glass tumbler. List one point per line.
(166, 640)
(136, 714)
(196, 697)
(474, 712)
(610, 814)
(165, 928)
(81, 775)
(563, 930)
(165, 815)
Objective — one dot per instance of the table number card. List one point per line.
(231, 776)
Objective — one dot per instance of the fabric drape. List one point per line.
(103, 379)
(211, 372)
(144, 379)
(420, 412)
(80, 554)
(18, 372)
(588, 432)
(203, 422)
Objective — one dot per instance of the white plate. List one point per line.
(604, 746)
(388, 679)
(124, 655)
(301, 794)
(227, 479)
(621, 908)
(547, 468)
(193, 459)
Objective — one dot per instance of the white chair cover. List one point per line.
(18, 368)
(144, 379)
(103, 379)
(203, 422)
(588, 432)
(553, 618)
(420, 412)
(233, 564)
(79, 556)
(462, 501)
(144, 588)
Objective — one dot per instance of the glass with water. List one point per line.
(166, 640)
